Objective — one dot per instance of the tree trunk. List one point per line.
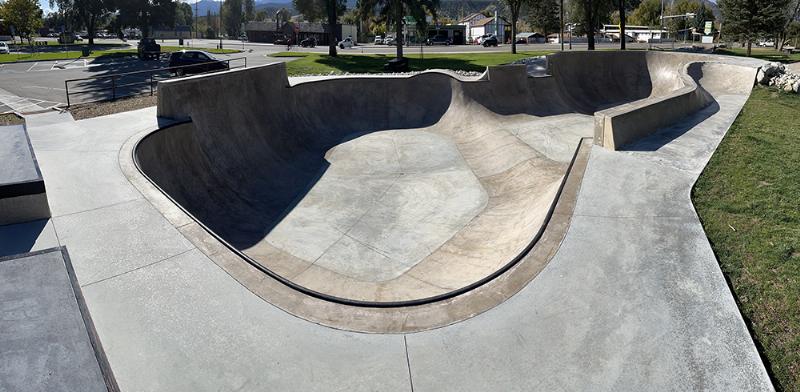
(91, 29)
(398, 27)
(514, 17)
(588, 9)
(749, 47)
(332, 28)
(622, 38)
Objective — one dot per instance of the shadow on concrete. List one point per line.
(21, 237)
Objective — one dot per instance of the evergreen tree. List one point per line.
(544, 16)
(749, 19)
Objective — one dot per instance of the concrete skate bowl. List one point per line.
(394, 192)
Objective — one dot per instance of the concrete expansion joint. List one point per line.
(138, 268)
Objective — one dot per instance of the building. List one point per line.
(296, 31)
(478, 24)
(456, 33)
(635, 33)
(530, 38)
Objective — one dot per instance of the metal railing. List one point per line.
(129, 84)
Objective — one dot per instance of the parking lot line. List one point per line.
(32, 66)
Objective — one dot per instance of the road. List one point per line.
(33, 86)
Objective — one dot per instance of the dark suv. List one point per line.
(148, 48)
(489, 41)
(438, 40)
(195, 61)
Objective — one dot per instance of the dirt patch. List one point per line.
(91, 110)
(11, 119)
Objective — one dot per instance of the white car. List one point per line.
(4, 48)
(378, 40)
(479, 40)
(346, 43)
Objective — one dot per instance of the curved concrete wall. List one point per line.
(256, 148)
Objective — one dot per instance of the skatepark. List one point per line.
(413, 232)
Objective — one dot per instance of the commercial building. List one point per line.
(296, 31)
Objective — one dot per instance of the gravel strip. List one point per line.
(97, 109)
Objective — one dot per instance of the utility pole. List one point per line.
(196, 25)
(561, 36)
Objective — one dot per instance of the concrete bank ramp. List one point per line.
(385, 191)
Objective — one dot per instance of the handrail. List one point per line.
(149, 79)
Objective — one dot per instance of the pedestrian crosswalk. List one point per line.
(13, 103)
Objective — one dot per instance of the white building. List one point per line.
(478, 24)
(635, 33)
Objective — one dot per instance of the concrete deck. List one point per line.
(632, 300)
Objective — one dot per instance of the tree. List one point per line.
(90, 11)
(623, 38)
(514, 7)
(232, 17)
(543, 15)
(145, 14)
(249, 10)
(317, 10)
(591, 13)
(24, 15)
(648, 13)
(749, 19)
(183, 14)
(792, 14)
(394, 12)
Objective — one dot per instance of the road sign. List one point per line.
(709, 27)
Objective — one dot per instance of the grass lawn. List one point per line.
(315, 63)
(763, 54)
(748, 199)
(75, 54)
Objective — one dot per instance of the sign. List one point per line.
(709, 27)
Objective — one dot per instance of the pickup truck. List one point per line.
(148, 48)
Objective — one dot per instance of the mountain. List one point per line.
(203, 6)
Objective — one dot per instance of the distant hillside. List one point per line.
(203, 6)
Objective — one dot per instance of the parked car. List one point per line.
(391, 41)
(243, 37)
(378, 40)
(346, 43)
(281, 41)
(195, 61)
(438, 40)
(309, 42)
(489, 41)
(4, 48)
(148, 48)
(480, 39)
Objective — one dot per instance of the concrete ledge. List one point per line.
(22, 192)
(47, 338)
(634, 121)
